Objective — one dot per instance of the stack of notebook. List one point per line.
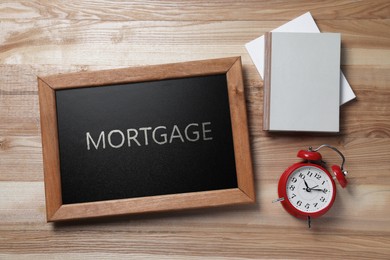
(302, 77)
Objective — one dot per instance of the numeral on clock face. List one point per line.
(309, 189)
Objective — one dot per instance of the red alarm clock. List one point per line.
(306, 189)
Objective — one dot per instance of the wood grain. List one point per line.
(139, 74)
(239, 122)
(50, 147)
(193, 10)
(40, 38)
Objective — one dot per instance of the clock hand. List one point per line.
(313, 187)
(307, 186)
(318, 190)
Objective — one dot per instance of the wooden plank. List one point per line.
(145, 43)
(215, 244)
(27, 206)
(193, 10)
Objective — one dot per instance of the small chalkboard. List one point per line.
(145, 139)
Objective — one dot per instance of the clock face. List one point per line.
(309, 189)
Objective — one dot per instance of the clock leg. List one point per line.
(309, 221)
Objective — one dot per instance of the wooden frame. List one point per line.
(57, 211)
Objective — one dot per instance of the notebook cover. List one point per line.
(302, 82)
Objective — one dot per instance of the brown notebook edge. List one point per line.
(267, 79)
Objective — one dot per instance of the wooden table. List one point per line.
(49, 37)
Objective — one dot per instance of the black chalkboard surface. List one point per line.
(145, 139)
(120, 167)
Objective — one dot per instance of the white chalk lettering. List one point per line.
(145, 129)
(160, 135)
(206, 131)
(195, 133)
(178, 135)
(121, 142)
(132, 137)
(163, 135)
(96, 145)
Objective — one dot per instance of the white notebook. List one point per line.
(302, 82)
